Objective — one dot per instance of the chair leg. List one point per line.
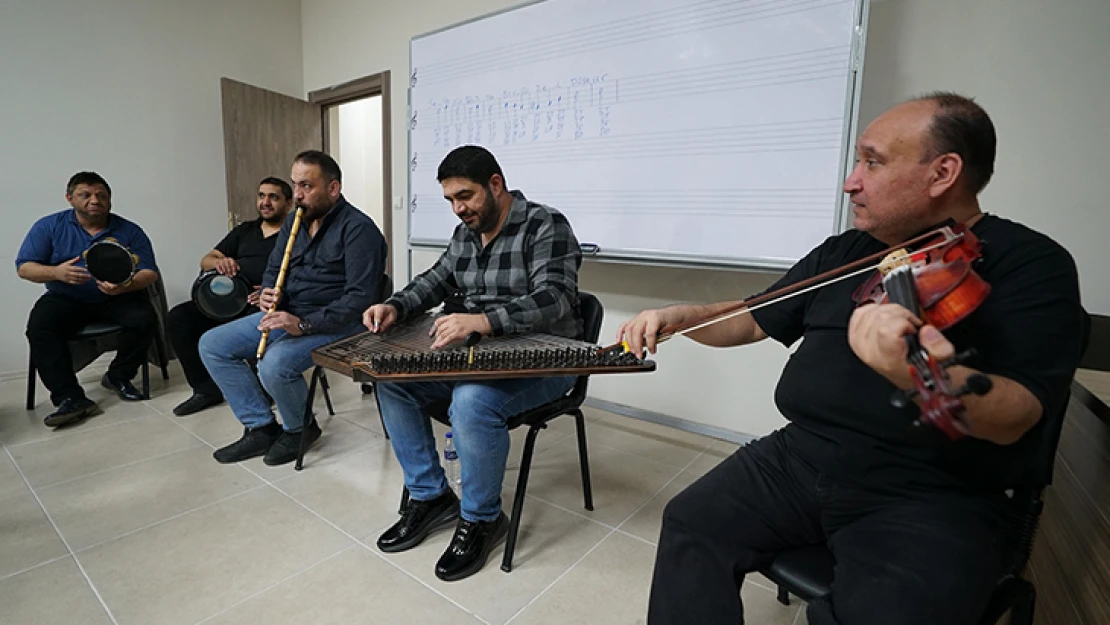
(163, 359)
(1021, 613)
(31, 374)
(783, 596)
(518, 498)
(308, 417)
(404, 499)
(378, 401)
(324, 387)
(146, 380)
(584, 459)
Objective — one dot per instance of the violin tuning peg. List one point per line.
(976, 384)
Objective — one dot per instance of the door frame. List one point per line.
(357, 89)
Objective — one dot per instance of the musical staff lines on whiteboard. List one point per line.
(778, 203)
(805, 135)
(560, 112)
(694, 17)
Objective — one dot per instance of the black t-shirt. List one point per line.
(1031, 329)
(246, 245)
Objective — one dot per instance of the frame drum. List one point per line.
(109, 261)
(221, 297)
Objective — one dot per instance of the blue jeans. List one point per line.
(227, 352)
(479, 412)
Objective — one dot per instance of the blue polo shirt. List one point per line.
(56, 238)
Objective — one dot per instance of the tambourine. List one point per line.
(221, 297)
(109, 261)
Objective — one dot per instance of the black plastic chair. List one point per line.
(807, 572)
(537, 419)
(97, 338)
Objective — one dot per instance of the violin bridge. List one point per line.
(894, 260)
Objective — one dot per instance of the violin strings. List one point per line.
(812, 287)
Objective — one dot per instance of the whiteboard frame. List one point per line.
(841, 216)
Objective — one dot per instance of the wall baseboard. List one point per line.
(674, 422)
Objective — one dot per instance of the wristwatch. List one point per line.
(304, 326)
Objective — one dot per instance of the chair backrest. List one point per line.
(157, 293)
(387, 288)
(1026, 498)
(593, 314)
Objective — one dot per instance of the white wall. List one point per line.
(1039, 70)
(130, 89)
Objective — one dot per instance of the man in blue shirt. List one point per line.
(335, 272)
(51, 254)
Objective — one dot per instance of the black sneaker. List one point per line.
(289, 444)
(196, 403)
(470, 546)
(418, 520)
(254, 442)
(71, 410)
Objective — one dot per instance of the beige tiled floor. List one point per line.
(126, 519)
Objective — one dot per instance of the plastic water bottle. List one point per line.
(451, 465)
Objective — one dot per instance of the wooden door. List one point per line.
(263, 131)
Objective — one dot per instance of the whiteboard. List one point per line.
(709, 132)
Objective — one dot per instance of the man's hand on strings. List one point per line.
(877, 332)
(379, 317)
(642, 330)
(451, 328)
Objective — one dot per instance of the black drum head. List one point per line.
(108, 261)
(220, 297)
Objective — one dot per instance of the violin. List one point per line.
(931, 275)
(940, 287)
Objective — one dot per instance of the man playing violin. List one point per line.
(915, 525)
(51, 254)
(244, 251)
(515, 263)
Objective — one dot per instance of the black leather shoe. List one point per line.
(418, 520)
(71, 410)
(289, 443)
(470, 546)
(196, 403)
(254, 442)
(125, 389)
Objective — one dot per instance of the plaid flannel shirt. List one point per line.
(525, 280)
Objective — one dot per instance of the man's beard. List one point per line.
(275, 218)
(487, 217)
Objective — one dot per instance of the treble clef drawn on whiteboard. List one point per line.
(412, 122)
(412, 203)
(412, 79)
(412, 163)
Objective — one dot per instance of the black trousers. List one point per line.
(927, 558)
(55, 319)
(185, 324)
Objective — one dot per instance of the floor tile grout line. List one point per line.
(277, 583)
(65, 542)
(606, 537)
(31, 568)
(560, 577)
(173, 517)
(121, 466)
(73, 431)
(367, 547)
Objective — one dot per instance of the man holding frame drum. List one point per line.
(59, 251)
(242, 255)
(327, 267)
